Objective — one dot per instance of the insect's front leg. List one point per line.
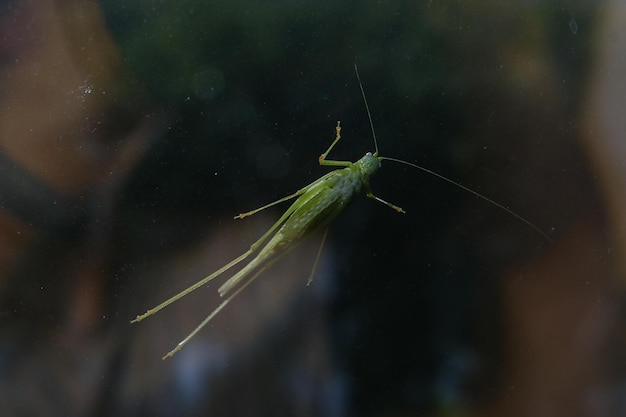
(322, 158)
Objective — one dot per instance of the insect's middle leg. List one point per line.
(380, 200)
(317, 258)
(273, 203)
(388, 204)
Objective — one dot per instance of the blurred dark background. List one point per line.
(133, 131)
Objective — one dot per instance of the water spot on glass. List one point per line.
(82, 91)
(573, 26)
(208, 83)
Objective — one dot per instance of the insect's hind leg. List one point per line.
(214, 313)
(195, 286)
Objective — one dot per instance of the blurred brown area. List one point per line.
(70, 133)
(562, 312)
(119, 124)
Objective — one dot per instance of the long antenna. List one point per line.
(461, 186)
(367, 107)
(469, 190)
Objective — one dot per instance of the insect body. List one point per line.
(316, 206)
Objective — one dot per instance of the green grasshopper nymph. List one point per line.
(315, 208)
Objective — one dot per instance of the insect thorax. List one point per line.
(368, 164)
